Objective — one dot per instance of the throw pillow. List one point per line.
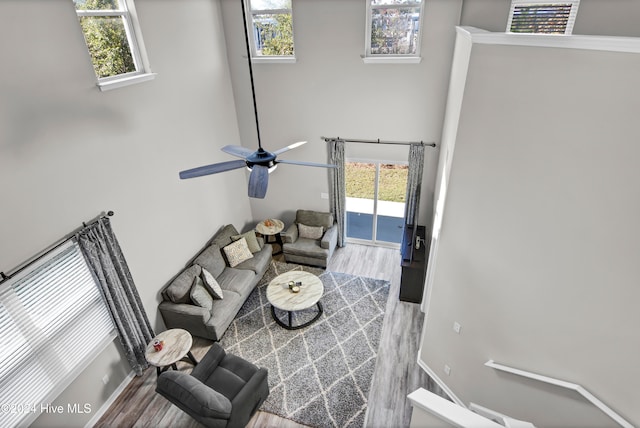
(237, 252)
(211, 284)
(199, 295)
(178, 290)
(311, 232)
(252, 240)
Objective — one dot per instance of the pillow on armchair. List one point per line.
(311, 232)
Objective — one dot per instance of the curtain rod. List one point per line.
(5, 277)
(378, 141)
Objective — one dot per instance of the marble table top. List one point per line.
(272, 226)
(177, 343)
(281, 297)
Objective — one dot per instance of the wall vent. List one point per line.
(542, 16)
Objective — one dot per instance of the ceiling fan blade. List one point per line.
(289, 147)
(238, 151)
(212, 169)
(321, 165)
(258, 181)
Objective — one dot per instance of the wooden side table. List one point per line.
(271, 227)
(177, 345)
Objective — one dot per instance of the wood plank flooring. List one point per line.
(396, 373)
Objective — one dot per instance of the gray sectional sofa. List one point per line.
(179, 311)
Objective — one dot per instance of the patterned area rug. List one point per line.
(319, 375)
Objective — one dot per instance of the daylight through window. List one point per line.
(542, 16)
(394, 27)
(109, 30)
(46, 311)
(271, 29)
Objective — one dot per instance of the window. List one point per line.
(542, 16)
(393, 28)
(112, 35)
(271, 23)
(53, 321)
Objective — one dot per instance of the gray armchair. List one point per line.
(314, 250)
(223, 390)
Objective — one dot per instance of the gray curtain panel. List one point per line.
(337, 192)
(104, 256)
(414, 182)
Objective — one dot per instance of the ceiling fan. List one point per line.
(260, 162)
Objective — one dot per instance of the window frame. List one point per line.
(369, 58)
(128, 14)
(42, 348)
(570, 23)
(255, 58)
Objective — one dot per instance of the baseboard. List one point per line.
(440, 383)
(102, 410)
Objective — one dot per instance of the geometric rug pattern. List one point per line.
(319, 375)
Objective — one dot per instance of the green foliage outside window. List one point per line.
(106, 39)
(276, 34)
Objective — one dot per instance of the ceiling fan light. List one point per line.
(272, 168)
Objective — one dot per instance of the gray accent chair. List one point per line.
(315, 252)
(223, 390)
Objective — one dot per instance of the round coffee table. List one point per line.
(177, 345)
(281, 297)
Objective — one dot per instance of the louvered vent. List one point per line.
(544, 17)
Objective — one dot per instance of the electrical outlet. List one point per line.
(105, 379)
(457, 327)
(324, 195)
(447, 370)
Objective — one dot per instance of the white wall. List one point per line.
(330, 92)
(538, 250)
(69, 152)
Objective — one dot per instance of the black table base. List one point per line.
(290, 326)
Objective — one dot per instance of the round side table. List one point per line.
(177, 345)
(271, 227)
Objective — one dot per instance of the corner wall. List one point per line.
(537, 258)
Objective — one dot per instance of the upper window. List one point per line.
(542, 16)
(271, 29)
(112, 35)
(393, 28)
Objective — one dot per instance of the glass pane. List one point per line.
(273, 34)
(395, 31)
(97, 4)
(270, 4)
(108, 45)
(392, 189)
(392, 2)
(360, 192)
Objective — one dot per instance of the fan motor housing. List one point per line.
(261, 157)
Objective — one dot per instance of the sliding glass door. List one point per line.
(375, 201)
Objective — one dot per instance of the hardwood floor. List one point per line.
(396, 373)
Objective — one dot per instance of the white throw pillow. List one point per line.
(211, 284)
(311, 232)
(237, 252)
